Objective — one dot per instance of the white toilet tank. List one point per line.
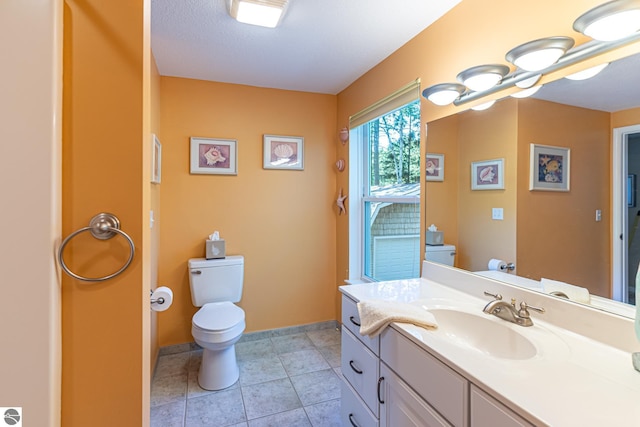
(216, 280)
(443, 254)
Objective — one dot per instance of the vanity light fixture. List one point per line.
(539, 54)
(526, 92)
(484, 106)
(264, 13)
(443, 93)
(529, 81)
(610, 21)
(588, 73)
(482, 77)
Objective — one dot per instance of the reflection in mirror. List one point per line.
(559, 234)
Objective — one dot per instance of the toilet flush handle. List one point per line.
(196, 272)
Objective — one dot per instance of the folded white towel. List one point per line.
(575, 293)
(375, 315)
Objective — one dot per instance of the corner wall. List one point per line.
(281, 221)
(30, 107)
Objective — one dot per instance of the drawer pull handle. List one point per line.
(379, 383)
(354, 322)
(356, 370)
(351, 421)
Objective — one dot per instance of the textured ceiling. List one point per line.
(320, 46)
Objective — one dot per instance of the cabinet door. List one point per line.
(402, 407)
(488, 412)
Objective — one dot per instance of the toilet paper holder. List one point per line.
(157, 300)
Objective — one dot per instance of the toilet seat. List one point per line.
(218, 322)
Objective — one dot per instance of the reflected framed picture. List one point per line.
(487, 175)
(549, 168)
(434, 167)
(283, 152)
(213, 156)
(156, 159)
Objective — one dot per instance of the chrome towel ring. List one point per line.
(103, 227)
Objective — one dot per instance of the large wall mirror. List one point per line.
(557, 233)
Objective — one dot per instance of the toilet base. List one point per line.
(219, 369)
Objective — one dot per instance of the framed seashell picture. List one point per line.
(487, 175)
(283, 152)
(214, 156)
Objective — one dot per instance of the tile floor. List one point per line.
(288, 377)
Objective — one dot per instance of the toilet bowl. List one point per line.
(216, 327)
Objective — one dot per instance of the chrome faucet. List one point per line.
(509, 312)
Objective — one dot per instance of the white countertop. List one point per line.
(574, 380)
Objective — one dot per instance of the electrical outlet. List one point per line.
(497, 213)
(598, 215)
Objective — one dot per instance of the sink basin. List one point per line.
(484, 334)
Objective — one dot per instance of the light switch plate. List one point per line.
(497, 213)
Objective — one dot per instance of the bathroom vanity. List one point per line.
(477, 370)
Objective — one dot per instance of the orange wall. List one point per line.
(442, 203)
(283, 222)
(105, 326)
(558, 237)
(625, 118)
(487, 135)
(465, 215)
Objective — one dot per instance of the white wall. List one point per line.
(30, 147)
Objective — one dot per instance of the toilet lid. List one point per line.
(218, 316)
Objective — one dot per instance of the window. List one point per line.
(384, 236)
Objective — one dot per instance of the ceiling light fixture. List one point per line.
(443, 93)
(482, 77)
(610, 21)
(265, 13)
(484, 106)
(529, 81)
(538, 54)
(526, 93)
(588, 73)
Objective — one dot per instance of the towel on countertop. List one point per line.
(375, 315)
(575, 293)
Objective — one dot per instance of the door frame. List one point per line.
(619, 238)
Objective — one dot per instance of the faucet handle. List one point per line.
(524, 309)
(496, 296)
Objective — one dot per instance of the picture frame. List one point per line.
(156, 160)
(283, 152)
(550, 168)
(213, 156)
(434, 167)
(487, 175)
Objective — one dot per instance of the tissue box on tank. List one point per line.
(215, 249)
(435, 238)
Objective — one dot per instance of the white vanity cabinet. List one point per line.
(401, 406)
(360, 367)
(488, 412)
(438, 388)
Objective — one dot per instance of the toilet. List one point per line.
(443, 254)
(216, 284)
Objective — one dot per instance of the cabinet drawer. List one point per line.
(440, 386)
(403, 407)
(353, 411)
(351, 320)
(486, 411)
(360, 368)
